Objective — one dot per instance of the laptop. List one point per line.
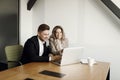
(70, 55)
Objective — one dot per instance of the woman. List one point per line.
(58, 41)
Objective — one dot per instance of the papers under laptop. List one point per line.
(70, 56)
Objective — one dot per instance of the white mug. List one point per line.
(91, 61)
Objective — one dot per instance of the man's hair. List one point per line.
(43, 27)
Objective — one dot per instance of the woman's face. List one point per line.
(58, 33)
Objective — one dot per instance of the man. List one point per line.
(36, 48)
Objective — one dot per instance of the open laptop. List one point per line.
(70, 55)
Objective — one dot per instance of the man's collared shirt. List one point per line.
(41, 47)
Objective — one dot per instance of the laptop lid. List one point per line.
(71, 55)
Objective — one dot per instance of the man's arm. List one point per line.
(32, 51)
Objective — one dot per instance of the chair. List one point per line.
(13, 54)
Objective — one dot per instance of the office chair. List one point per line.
(13, 55)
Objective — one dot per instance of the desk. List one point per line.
(78, 71)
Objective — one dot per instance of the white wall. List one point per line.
(86, 22)
(45, 11)
(66, 15)
(102, 35)
(25, 22)
(38, 15)
(100, 30)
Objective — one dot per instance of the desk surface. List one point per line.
(78, 71)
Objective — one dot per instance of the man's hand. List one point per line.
(55, 58)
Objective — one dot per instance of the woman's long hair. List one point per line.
(54, 32)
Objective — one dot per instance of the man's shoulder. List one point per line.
(33, 38)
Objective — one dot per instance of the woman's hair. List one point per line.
(54, 32)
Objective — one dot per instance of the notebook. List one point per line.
(70, 55)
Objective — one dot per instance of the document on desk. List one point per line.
(52, 73)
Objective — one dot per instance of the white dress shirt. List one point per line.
(41, 47)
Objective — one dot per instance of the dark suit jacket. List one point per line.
(31, 52)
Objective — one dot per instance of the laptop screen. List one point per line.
(71, 55)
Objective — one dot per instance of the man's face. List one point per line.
(44, 35)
